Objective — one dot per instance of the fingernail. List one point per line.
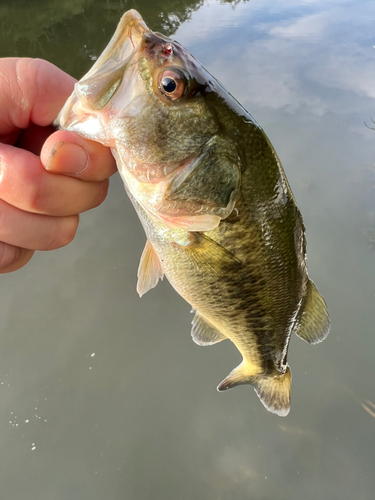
(67, 158)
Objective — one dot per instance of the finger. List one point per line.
(13, 258)
(25, 184)
(33, 138)
(31, 90)
(67, 153)
(34, 231)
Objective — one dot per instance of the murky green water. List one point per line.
(103, 396)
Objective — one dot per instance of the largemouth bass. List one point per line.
(220, 218)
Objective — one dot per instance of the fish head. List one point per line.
(145, 98)
(154, 104)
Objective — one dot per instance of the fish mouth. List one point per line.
(94, 91)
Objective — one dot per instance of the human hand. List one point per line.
(47, 178)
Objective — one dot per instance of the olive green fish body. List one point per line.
(246, 277)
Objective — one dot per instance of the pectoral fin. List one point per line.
(149, 270)
(314, 324)
(272, 390)
(192, 223)
(212, 258)
(203, 333)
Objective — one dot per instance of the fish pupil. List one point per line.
(169, 85)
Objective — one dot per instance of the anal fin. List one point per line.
(203, 333)
(273, 390)
(149, 270)
(314, 323)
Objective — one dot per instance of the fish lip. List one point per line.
(116, 57)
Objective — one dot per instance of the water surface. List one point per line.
(103, 395)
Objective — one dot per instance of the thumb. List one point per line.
(67, 153)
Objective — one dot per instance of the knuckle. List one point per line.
(70, 232)
(102, 192)
(3, 213)
(8, 254)
(12, 258)
(39, 197)
(63, 233)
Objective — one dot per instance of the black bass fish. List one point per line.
(220, 218)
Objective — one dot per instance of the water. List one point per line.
(103, 395)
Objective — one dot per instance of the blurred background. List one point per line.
(104, 395)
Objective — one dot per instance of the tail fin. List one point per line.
(272, 390)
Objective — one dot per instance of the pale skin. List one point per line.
(47, 178)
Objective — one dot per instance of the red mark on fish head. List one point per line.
(168, 50)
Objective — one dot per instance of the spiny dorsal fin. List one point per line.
(149, 270)
(272, 390)
(203, 333)
(314, 324)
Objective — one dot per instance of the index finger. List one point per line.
(31, 90)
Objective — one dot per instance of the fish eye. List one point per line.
(172, 83)
(169, 85)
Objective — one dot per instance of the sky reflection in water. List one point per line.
(141, 419)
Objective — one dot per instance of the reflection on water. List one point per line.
(55, 30)
(141, 418)
(369, 407)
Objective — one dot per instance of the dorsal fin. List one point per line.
(149, 270)
(314, 324)
(203, 333)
